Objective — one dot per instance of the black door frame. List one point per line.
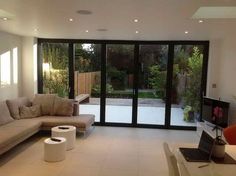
(136, 44)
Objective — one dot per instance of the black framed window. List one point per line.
(158, 79)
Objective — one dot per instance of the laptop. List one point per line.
(203, 152)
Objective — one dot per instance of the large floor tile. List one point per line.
(106, 151)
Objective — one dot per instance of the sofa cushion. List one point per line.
(26, 123)
(5, 116)
(16, 130)
(83, 121)
(14, 105)
(46, 101)
(30, 112)
(63, 107)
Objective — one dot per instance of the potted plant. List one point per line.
(188, 114)
(219, 147)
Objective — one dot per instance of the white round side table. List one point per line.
(54, 150)
(66, 131)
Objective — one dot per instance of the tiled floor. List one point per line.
(106, 151)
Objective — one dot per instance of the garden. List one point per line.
(186, 77)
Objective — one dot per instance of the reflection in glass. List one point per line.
(55, 68)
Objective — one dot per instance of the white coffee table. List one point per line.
(66, 131)
(54, 150)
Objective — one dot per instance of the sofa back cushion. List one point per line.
(30, 112)
(15, 104)
(5, 116)
(63, 107)
(46, 101)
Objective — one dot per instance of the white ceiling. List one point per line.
(158, 19)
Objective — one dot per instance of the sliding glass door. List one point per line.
(186, 87)
(55, 68)
(128, 83)
(87, 77)
(119, 83)
(152, 84)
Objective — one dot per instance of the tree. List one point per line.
(87, 57)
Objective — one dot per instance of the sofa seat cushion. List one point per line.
(83, 121)
(23, 123)
(15, 104)
(17, 129)
(5, 116)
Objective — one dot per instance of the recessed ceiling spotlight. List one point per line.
(136, 32)
(71, 19)
(186, 32)
(36, 30)
(5, 18)
(84, 12)
(87, 31)
(200, 21)
(135, 20)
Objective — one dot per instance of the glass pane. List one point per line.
(55, 68)
(119, 83)
(88, 78)
(152, 84)
(186, 85)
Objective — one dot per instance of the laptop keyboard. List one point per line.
(192, 154)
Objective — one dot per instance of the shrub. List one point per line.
(157, 80)
(192, 94)
(188, 114)
(96, 89)
(56, 81)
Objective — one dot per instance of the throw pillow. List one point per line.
(46, 101)
(63, 107)
(30, 112)
(14, 105)
(5, 116)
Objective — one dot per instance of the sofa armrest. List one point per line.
(76, 109)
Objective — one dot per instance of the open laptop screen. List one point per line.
(206, 143)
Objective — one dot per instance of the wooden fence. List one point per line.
(84, 82)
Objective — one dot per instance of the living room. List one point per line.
(113, 41)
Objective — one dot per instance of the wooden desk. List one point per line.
(212, 170)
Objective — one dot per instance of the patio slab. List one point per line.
(146, 115)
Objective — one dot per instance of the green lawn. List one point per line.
(146, 95)
(127, 94)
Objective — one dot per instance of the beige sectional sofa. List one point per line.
(16, 126)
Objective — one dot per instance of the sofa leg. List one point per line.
(88, 131)
(85, 133)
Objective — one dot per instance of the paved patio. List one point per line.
(150, 111)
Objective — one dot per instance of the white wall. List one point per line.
(26, 69)
(222, 71)
(221, 68)
(29, 66)
(7, 43)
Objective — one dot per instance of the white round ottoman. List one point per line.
(66, 131)
(54, 150)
